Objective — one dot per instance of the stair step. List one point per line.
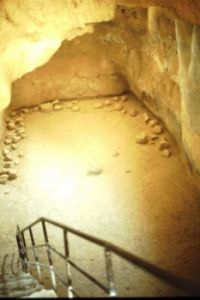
(20, 294)
(21, 285)
(43, 294)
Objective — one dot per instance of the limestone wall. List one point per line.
(80, 68)
(32, 31)
(151, 48)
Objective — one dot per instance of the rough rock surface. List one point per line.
(150, 48)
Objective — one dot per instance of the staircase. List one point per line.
(19, 284)
(26, 278)
(23, 285)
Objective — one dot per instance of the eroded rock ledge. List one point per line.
(151, 48)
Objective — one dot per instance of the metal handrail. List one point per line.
(179, 283)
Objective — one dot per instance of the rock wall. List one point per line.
(30, 35)
(80, 68)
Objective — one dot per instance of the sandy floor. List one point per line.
(141, 201)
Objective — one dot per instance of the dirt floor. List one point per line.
(141, 200)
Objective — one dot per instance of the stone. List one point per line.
(18, 120)
(95, 171)
(74, 102)
(107, 102)
(58, 107)
(12, 174)
(153, 122)
(46, 107)
(16, 139)
(35, 108)
(133, 112)
(25, 110)
(23, 135)
(5, 151)
(7, 141)
(7, 120)
(124, 111)
(21, 124)
(20, 130)
(13, 113)
(9, 135)
(118, 107)
(75, 108)
(146, 117)
(98, 105)
(157, 129)
(124, 98)
(16, 162)
(8, 157)
(13, 146)
(115, 154)
(163, 145)
(153, 137)
(4, 178)
(128, 171)
(166, 153)
(57, 101)
(108, 108)
(69, 105)
(20, 154)
(116, 98)
(11, 125)
(141, 138)
(7, 165)
(3, 171)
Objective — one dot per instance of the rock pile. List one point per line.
(155, 134)
(15, 132)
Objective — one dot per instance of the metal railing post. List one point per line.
(68, 271)
(109, 271)
(51, 267)
(25, 250)
(21, 248)
(35, 253)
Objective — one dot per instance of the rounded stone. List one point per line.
(98, 105)
(157, 129)
(11, 125)
(12, 174)
(141, 138)
(133, 112)
(118, 107)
